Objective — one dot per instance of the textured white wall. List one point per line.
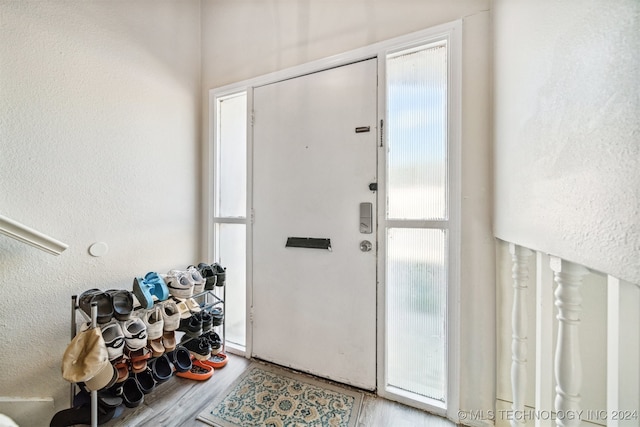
(247, 39)
(99, 141)
(567, 149)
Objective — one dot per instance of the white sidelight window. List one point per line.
(417, 223)
(230, 210)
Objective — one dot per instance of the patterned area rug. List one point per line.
(269, 396)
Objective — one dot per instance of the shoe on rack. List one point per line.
(216, 315)
(193, 305)
(161, 368)
(81, 416)
(169, 341)
(157, 347)
(221, 274)
(106, 399)
(179, 284)
(191, 326)
(198, 347)
(216, 347)
(207, 321)
(143, 292)
(122, 367)
(180, 358)
(160, 289)
(217, 361)
(138, 359)
(183, 308)
(122, 301)
(103, 301)
(131, 393)
(206, 271)
(114, 339)
(135, 333)
(145, 380)
(154, 323)
(199, 371)
(197, 279)
(170, 315)
(214, 341)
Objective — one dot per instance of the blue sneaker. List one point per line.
(160, 289)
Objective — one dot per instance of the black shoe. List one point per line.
(214, 341)
(180, 358)
(106, 399)
(198, 347)
(131, 393)
(161, 368)
(122, 301)
(81, 415)
(217, 315)
(103, 299)
(209, 275)
(192, 325)
(145, 380)
(207, 321)
(221, 274)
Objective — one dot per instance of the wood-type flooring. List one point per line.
(177, 402)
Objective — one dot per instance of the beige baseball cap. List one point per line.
(86, 360)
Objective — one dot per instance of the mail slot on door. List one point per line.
(308, 242)
(366, 218)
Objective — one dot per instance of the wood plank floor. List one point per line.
(177, 402)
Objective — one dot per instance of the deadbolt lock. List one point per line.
(366, 246)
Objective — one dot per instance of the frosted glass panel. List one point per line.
(416, 298)
(231, 167)
(231, 250)
(417, 134)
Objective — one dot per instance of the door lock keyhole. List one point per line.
(366, 246)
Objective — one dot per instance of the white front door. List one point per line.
(314, 156)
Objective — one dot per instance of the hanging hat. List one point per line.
(86, 359)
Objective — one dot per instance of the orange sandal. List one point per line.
(198, 372)
(122, 367)
(216, 361)
(138, 359)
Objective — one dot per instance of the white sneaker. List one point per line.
(135, 333)
(114, 339)
(154, 322)
(179, 284)
(197, 279)
(170, 315)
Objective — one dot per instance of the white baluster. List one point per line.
(568, 363)
(544, 340)
(520, 274)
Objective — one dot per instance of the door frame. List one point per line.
(452, 32)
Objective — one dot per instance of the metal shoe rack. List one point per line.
(206, 299)
(94, 324)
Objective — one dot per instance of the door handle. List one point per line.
(366, 218)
